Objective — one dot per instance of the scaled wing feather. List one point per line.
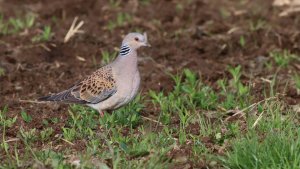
(97, 87)
(94, 89)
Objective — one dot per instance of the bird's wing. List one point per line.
(95, 88)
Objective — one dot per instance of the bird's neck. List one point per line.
(127, 56)
(125, 50)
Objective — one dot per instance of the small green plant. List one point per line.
(107, 57)
(197, 94)
(54, 120)
(145, 2)
(179, 7)
(28, 136)
(232, 131)
(3, 123)
(230, 101)
(69, 133)
(29, 20)
(83, 120)
(234, 91)
(189, 93)
(2, 71)
(236, 73)
(236, 83)
(4, 146)
(46, 133)
(205, 124)
(44, 36)
(257, 25)
(160, 100)
(3, 25)
(121, 20)
(52, 159)
(15, 25)
(296, 78)
(127, 116)
(282, 58)
(224, 13)
(185, 117)
(45, 122)
(26, 117)
(272, 85)
(114, 3)
(242, 41)
(222, 83)
(4, 120)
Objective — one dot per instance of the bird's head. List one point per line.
(135, 40)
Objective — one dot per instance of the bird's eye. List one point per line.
(136, 39)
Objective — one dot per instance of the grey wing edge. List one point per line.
(72, 96)
(102, 96)
(64, 96)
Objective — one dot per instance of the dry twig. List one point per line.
(30, 101)
(152, 120)
(250, 107)
(257, 120)
(12, 140)
(67, 141)
(73, 29)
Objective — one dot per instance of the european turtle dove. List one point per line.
(111, 86)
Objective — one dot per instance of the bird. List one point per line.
(111, 86)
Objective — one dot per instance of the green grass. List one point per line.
(107, 57)
(121, 20)
(267, 138)
(6, 121)
(224, 13)
(114, 3)
(2, 72)
(20, 24)
(242, 41)
(46, 134)
(145, 2)
(26, 117)
(256, 25)
(273, 143)
(15, 25)
(296, 78)
(282, 58)
(45, 35)
(275, 151)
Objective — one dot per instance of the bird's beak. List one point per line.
(147, 44)
(146, 40)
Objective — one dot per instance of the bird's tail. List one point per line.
(46, 98)
(65, 96)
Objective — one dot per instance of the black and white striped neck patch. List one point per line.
(125, 50)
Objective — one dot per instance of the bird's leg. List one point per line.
(101, 113)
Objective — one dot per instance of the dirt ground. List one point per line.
(202, 35)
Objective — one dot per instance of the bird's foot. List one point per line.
(101, 114)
